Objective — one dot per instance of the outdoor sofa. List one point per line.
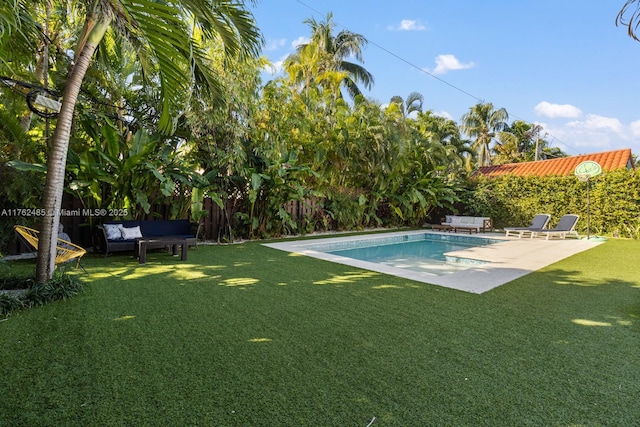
(468, 223)
(123, 235)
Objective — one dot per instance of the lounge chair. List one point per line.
(65, 250)
(539, 223)
(566, 227)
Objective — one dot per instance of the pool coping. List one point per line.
(504, 261)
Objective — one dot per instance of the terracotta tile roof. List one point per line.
(564, 166)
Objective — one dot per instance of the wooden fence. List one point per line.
(218, 224)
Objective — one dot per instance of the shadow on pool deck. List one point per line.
(505, 261)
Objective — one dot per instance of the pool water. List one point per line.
(423, 254)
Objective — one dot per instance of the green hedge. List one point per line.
(514, 200)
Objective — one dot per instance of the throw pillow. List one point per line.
(113, 231)
(131, 233)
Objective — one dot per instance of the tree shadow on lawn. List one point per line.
(282, 340)
(239, 266)
(231, 267)
(557, 335)
(592, 278)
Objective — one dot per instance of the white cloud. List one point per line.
(443, 114)
(272, 45)
(635, 128)
(300, 40)
(594, 133)
(548, 109)
(446, 63)
(575, 140)
(595, 122)
(588, 134)
(408, 25)
(275, 67)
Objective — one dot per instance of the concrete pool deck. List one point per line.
(505, 261)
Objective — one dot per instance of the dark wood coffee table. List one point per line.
(142, 245)
(463, 228)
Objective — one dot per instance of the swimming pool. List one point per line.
(422, 252)
(486, 262)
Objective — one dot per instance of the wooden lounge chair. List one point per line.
(65, 250)
(566, 227)
(539, 223)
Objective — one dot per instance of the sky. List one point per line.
(562, 64)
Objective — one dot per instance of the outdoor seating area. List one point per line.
(132, 235)
(538, 223)
(565, 227)
(469, 224)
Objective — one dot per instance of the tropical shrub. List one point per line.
(61, 287)
(346, 209)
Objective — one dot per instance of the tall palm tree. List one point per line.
(312, 67)
(399, 111)
(483, 122)
(332, 53)
(170, 41)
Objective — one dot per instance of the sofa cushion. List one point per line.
(113, 231)
(129, 233)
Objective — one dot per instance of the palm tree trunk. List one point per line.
(57, 161)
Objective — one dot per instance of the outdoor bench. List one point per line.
(125, 235)
(468, 223)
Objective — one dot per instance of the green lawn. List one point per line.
(244, 335)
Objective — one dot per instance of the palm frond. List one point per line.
(358, 73)
(163, 37)
(631, 22)
(19, 33)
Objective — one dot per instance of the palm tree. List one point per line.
(631, 22)
(170, 41)
(327, 52)
(413, 103)
(446, 132)
(483, 123)
(399, 111)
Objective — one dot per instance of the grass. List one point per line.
(244, 335)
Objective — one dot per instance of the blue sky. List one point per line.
(562, 64)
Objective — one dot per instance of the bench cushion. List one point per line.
(169, 227)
